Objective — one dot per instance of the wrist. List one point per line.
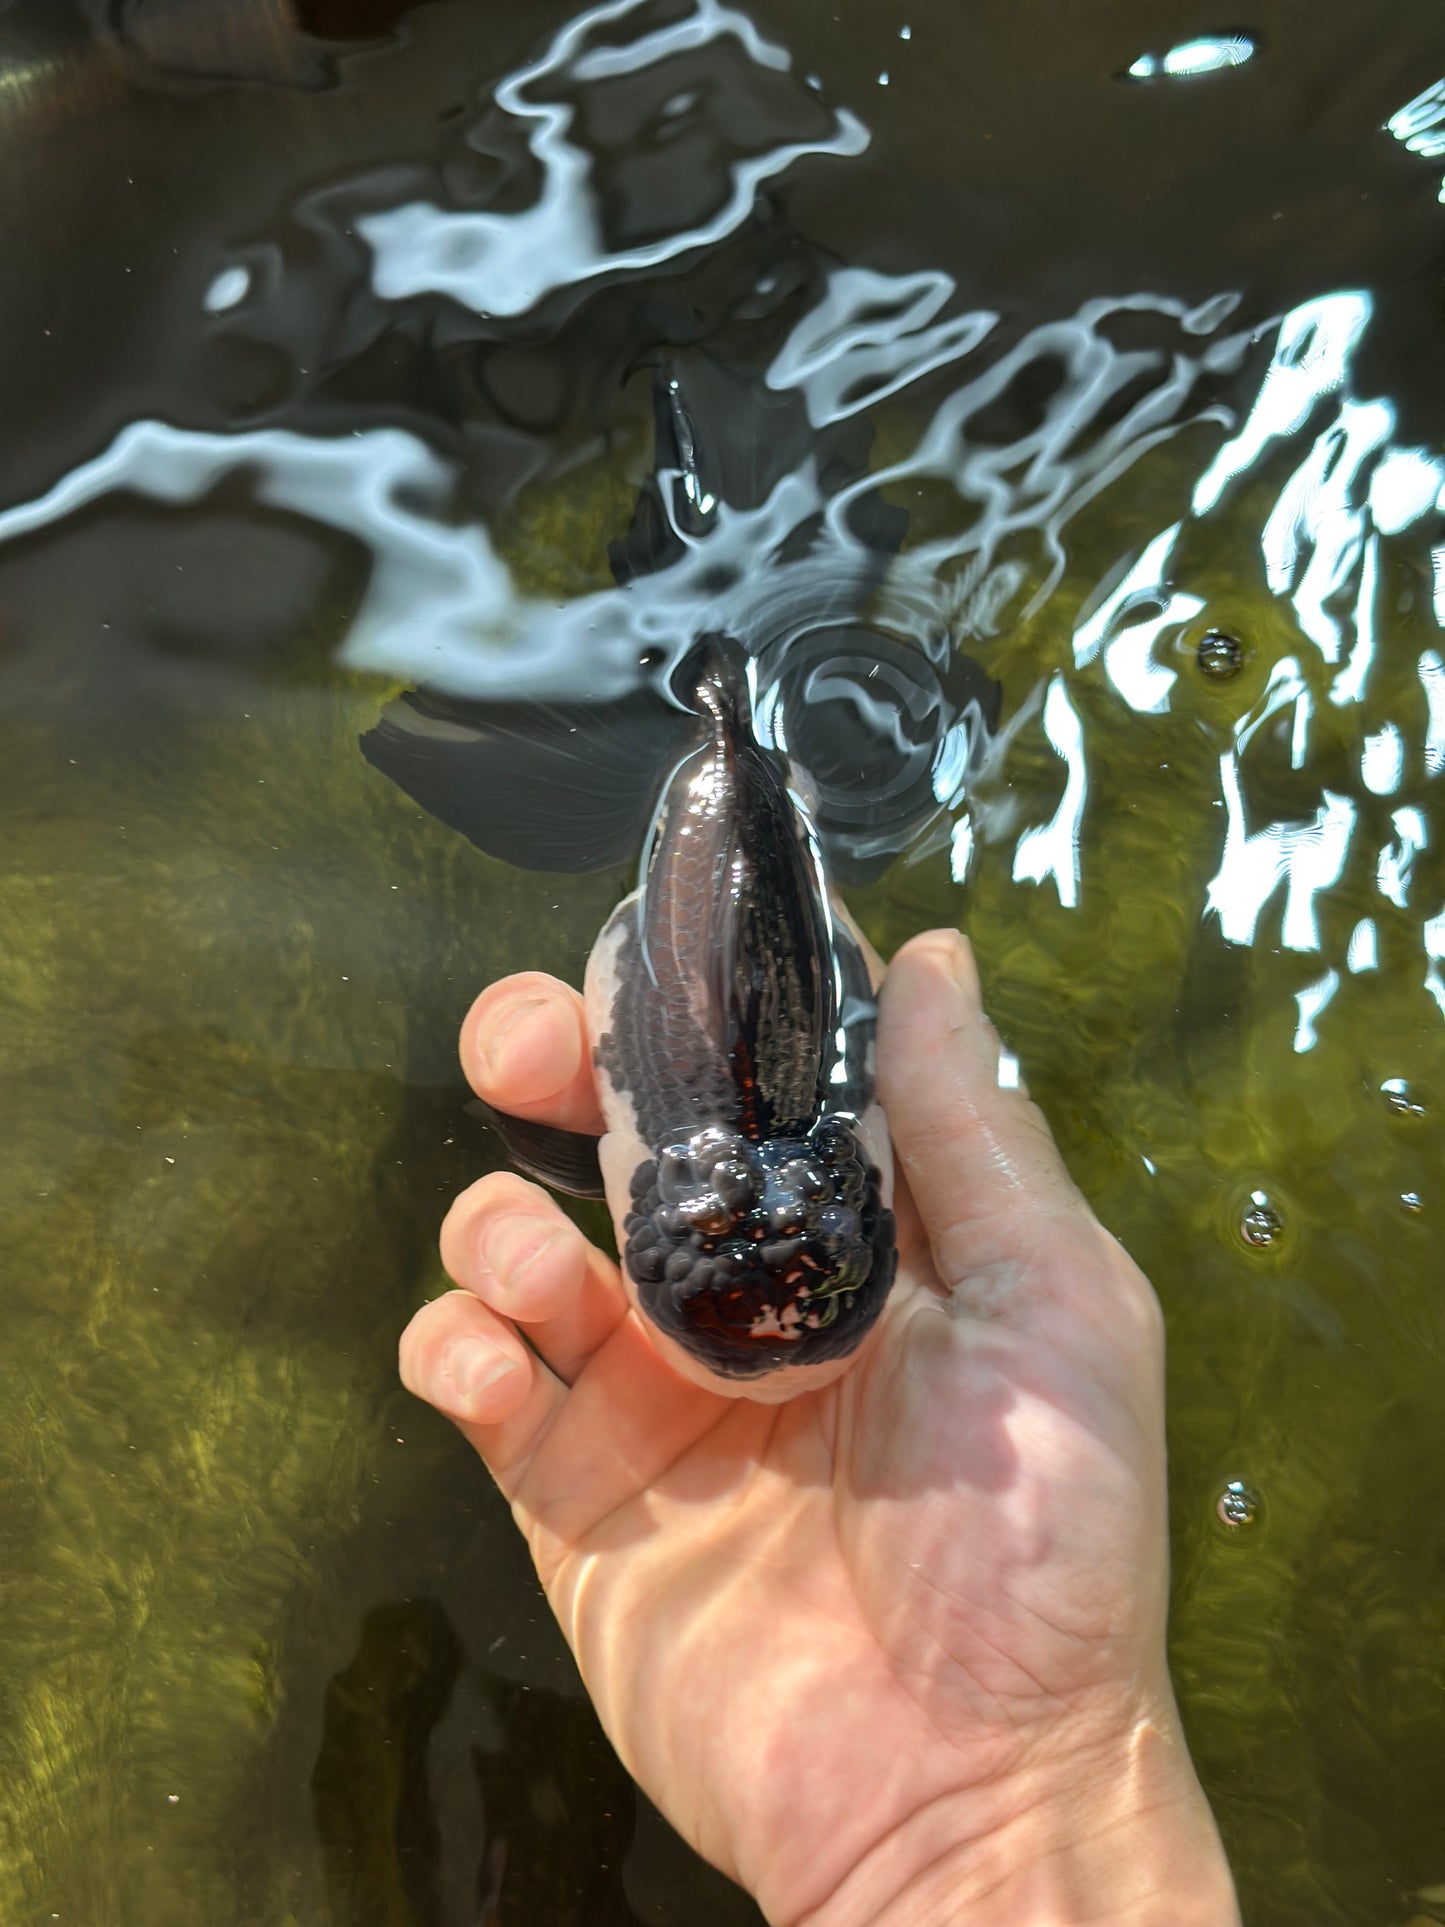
(1121, 1835)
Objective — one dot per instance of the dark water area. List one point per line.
(1074, 471)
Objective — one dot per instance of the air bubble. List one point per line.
(1237, 1505)
(1261, 1224)
(228, 290)
(1400, 1099)
(1412, 1201)
(1220, 655)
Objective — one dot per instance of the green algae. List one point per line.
(230, 945)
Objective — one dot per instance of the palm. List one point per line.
(903, 1565)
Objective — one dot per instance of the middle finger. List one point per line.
(511, 1246)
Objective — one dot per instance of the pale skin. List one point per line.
(890, 1654)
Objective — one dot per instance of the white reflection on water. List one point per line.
(1432, 678)
(441, 606)
(1285, 686)
(1038, 480)
(1382, 760)
(1314, 538)
(505, 263)
(960, 852)
(1311, 1001)
(1420, 125)
(1434, 935)
(1352, 484)
(1364, 953)
(430, 580)
(1406, 485)
(1211, 54)
(1349, 685)
(1307, 857)
(869, 337)
(1053, 848)
(1320, 541)
(1392, 872)
(1128, 638)
(228, 290)
(1077, 411)
(1311, 357)
(1350, 489)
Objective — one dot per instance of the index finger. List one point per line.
(525, 1048)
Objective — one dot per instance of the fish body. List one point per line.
(746, 1160)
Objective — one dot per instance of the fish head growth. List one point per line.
(757, 1256)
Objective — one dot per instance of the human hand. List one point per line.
(892, 1651)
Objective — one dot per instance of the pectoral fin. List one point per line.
(546, 786)
(565, 1160)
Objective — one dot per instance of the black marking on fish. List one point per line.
(732, 951)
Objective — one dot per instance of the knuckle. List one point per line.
(498, 1194)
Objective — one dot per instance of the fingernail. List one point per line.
(492, 1035)
(952, 952)
(476, 1368)
(512, 1243)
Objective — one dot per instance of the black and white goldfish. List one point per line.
(746, 1161)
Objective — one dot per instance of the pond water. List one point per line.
(1079, 374)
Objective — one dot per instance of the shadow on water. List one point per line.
(445, 1795)
(1078, 495)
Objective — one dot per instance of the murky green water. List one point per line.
(270, 1650)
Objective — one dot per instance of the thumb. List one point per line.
(979, 1158)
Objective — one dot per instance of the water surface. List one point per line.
(329, 330)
